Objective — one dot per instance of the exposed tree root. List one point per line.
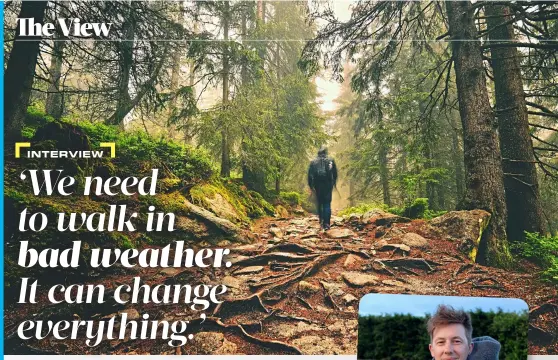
(264, 259)
(276, 284)
(417, 263)
(272, 344)
(304, 302)
(276, 280)
(284, 266)
(462, 268)
(358, 253)
(306, 271)
(230, 308)
(488, 286)
(256, 280)
(269, 297)
(188, 273)
(277, 314)
(478, 271)
(379, 266)
(290, 248)
(409, 271)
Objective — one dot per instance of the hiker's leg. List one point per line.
(319, 208)
(327, 214)
(323, 214)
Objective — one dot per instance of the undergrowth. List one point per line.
(418, 209)
(541, 250)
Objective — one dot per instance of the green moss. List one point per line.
(104, 169)
(418, 209)
(200, 193)
(265, 207)
(360, 209)
(122, 241)
(253, 204)
(483, 225)
(173, 202)
(247, 204)
(541, 250)
(292, 198)
(168, 184)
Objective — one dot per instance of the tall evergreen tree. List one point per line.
(20, 71)
(520, 174)
(483, 162)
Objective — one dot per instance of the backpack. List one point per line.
(323, 169)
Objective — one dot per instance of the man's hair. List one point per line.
(446, 315)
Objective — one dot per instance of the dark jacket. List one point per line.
(325, 183)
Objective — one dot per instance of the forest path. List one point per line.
(296, 289)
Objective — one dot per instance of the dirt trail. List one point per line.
(296, 291)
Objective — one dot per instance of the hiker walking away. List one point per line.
(322, 177)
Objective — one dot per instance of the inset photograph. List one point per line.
(441, 328)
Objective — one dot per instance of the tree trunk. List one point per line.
(260, 14)
(20, 72)
(175, 75)
(483, 162)
(254, 179)
(244, 30)
(384, 174)
(118, 117)
(225, 146)
(431, 187)
(126, 55)
(261, 11)
(225, 155)
(54, 105)
(278, 184)
(428, 153)
(352, 201)
(402, 190)
(382, 159)
(520, 180)
(174, 83)
(175, 69)
(188, 133)
(457, 158)
(442, 198)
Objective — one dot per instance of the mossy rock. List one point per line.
(67, 136)
(166, 185)
(231, 200)
(170, 203)
(466, 227)
(281, 211)
(220, 201)
(104, 169)
(292, 198)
